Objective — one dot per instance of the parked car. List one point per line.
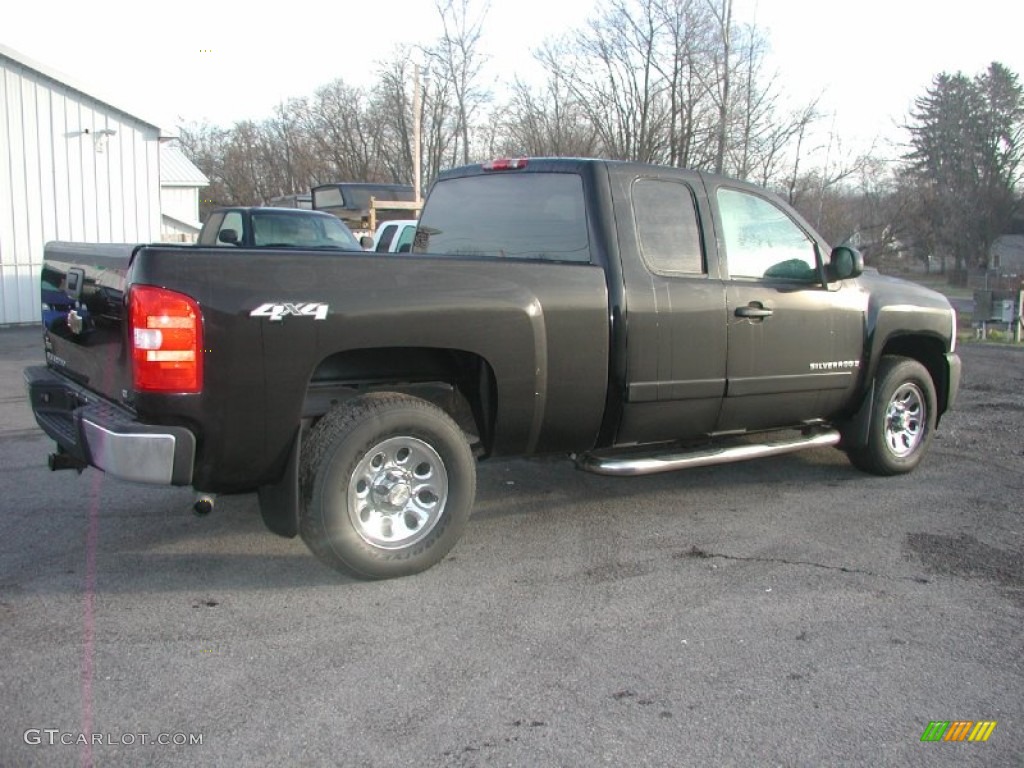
(267, 227)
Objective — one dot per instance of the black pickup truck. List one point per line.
(638, 318)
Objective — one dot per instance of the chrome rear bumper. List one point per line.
(107, 436)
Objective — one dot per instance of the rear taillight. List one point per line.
(505, 164)
(167, 340)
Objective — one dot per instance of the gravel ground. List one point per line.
(790, 611)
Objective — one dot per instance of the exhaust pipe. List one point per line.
(204, 504)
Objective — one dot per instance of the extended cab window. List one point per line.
(666, 226)
(514, 215)
(761, 240)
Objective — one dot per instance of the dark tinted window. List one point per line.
(515, 215)
(666, 224)
(406, 238)
(358, 195)
(386, 236)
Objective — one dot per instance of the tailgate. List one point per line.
(82, 292)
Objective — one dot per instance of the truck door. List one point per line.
(794, 346)
(675, 318)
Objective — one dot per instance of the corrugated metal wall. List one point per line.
(62, 179)
(180, 202)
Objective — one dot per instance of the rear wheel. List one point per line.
(902, 419)
(388, 484)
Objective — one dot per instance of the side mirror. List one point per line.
(366, 242)
(845, 262)
(229, 236)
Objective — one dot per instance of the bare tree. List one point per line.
(546, 122)
(661, 81)
(720, 89)
(457, 58)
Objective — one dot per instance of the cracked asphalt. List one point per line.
(789, 611)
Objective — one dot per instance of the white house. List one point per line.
(180, 182)
(1007, 254)
(73, 166)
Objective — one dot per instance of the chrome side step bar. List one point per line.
(625, 465)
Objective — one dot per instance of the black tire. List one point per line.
(902, 418)
(388, 482)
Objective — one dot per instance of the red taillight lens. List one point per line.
(505, 164)
(166, 339)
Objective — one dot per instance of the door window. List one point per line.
(762, 241)
(208, 235)
(386, 237)
(232, 220)
(405, 240)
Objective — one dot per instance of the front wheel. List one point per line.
(902, 418)
(388, 483)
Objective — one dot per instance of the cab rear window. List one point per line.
(517, 216)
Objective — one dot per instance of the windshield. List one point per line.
(301, 231)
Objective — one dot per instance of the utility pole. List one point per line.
(416, 121)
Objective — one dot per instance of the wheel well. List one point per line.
(928, 351)
(461, 383)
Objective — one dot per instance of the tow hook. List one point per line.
(204, 504)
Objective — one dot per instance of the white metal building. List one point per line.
(72, 167)
(180, 182)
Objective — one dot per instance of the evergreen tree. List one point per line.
(967, 140)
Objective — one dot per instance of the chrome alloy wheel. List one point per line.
(905, 420)
(397, 493)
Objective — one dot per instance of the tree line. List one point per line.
(675, 82)
(678, 82)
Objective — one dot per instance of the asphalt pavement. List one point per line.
(789, 611)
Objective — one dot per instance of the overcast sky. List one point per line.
(224, 60)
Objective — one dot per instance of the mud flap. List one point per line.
(279, 503)
(855, 432)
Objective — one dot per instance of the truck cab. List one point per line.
(395, 236)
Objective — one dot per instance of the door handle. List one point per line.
(753, 310)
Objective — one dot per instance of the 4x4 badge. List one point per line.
(277, 312)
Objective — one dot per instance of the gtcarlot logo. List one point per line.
(54, 736)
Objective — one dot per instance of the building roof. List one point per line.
(69, 82)
(176, 170)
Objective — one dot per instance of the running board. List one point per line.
(624, 465)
